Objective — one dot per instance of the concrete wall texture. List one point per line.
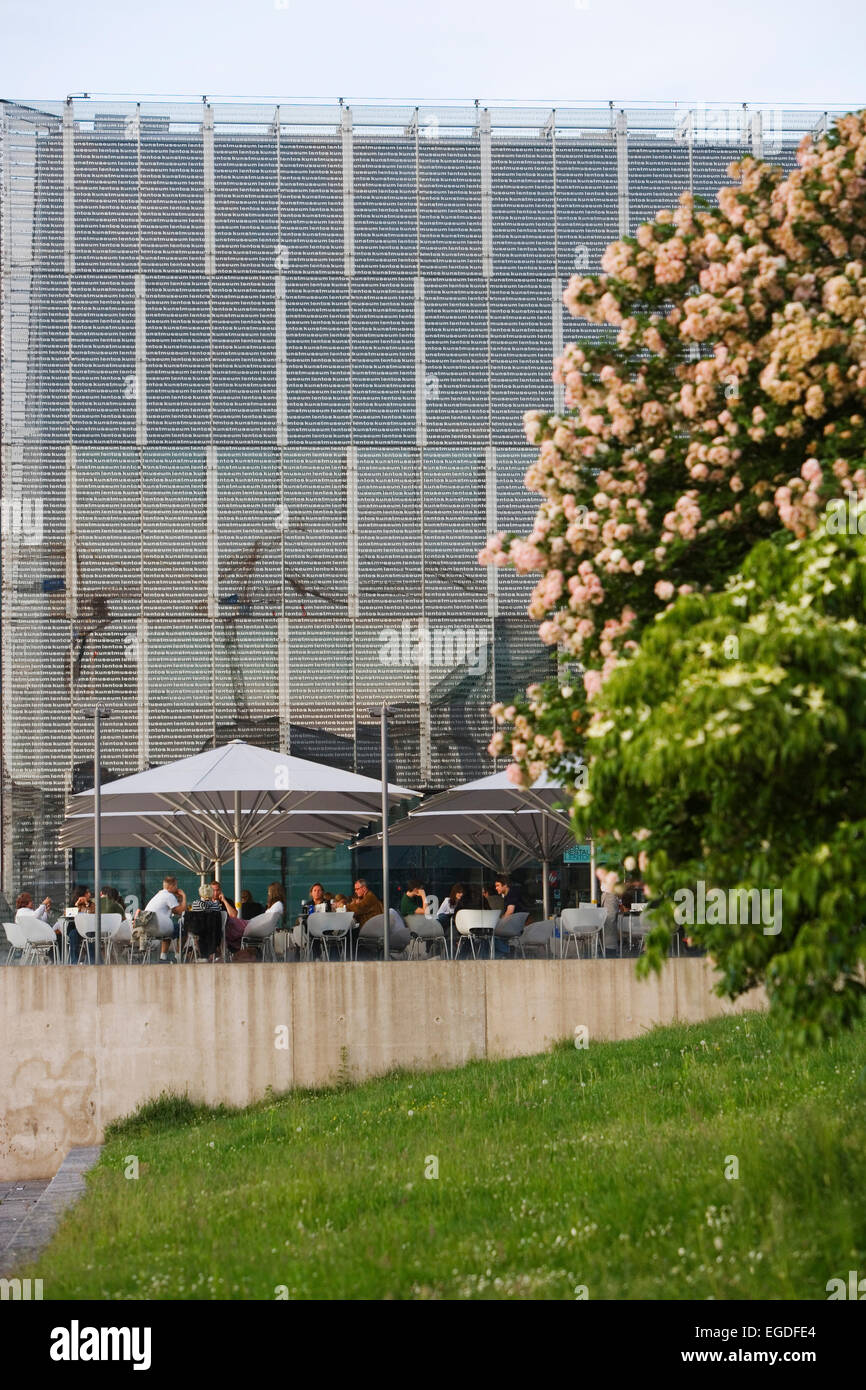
(81, 1047)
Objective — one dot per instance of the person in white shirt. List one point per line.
(169, 903)
(24, 903)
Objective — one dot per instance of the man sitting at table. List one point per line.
(364, 904)
(512, 902)
(168, 903)
(249, 908)
(110, 904)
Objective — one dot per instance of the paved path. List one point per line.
(16, 1200)
(30, 1211)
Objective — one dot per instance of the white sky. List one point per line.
(550, 51)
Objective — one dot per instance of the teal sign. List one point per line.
(579, 854)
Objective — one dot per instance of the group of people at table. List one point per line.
(364, 904)
(215, 921)
(170, 912)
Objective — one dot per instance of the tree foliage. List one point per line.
(719, 412)
(732, 751)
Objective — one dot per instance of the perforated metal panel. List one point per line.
(264, 370)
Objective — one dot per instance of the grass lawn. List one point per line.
(602, 1168)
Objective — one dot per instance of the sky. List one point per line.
(547, 51)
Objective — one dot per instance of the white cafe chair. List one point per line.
(85, 925)
(578, 924)
(472, 922)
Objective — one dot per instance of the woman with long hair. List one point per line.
(236, 926)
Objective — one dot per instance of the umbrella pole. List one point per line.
(237, 851)
(593, 891)
(545, 888)
(386, 905)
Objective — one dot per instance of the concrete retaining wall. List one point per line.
(80, 1047)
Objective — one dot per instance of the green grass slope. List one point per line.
(600, 1170)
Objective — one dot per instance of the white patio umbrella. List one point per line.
(229, 799)
(177, 834)
(493, 821)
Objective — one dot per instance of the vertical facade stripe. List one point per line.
(486, 195)
(280, 345)
(348, 194)
(348, 172)
(69, 188)
(557, 340)
(621, 135)
(212, 526)
(352, 530)
(491, 522)
(420, 366)
(425, 732)
(143, 691)
(71, 531)
(209, 193)
(209, 177)
(425, 744)
(283, 690)
(140, 361)
(756, 134)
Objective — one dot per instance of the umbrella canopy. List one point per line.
(262, 779)
(229, 799)
(182, 838)
(495, 822)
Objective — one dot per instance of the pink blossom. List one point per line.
(811, 471)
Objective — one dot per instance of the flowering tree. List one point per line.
(725, 402)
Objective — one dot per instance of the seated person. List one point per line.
(84, 900)
(236, 927)
(209, 933)
(24, 907)
(453, 903)
(319, 901)
(339, 903)
(512, 902)
(413, 900)
(491, 900)
(169, 903)
(110, 904)
(249, 907)
(364, 904)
